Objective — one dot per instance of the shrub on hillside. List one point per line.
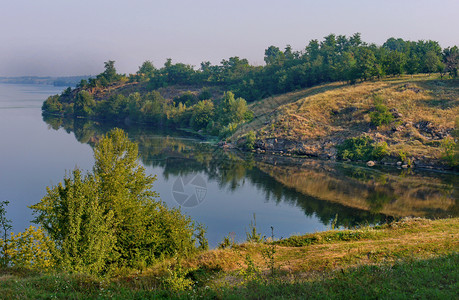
(362, 148)
(380, 115)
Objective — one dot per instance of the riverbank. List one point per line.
(409, 120)
(408, 258)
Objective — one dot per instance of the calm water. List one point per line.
(222, 189)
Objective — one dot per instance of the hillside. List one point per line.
(421, 111)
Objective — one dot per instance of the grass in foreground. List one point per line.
(413, 258)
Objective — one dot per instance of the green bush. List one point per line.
(110, 217)
(380, 115)
(362, 148)
(250, 140)
(450, 152)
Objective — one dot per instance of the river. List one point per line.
(222, 189)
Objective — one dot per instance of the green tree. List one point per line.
(233, 110)
(110, 71)
(203, 113)
(432, 62)
(72, 215)
(84, 104)
(394, 63)
(451, 60)
(273, 55)
(146, 69)
(365, 66)
(111, 218)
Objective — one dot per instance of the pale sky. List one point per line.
(75, 37)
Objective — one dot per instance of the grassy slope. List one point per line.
(413, 257)
(323, 116)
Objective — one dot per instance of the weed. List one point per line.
(269, 252)
(228, 241)
(253, 235)
(334, 222)
(450, 152)
(176, 279)
(252, 273)
(201, 236)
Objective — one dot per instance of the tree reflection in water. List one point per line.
(359, 195)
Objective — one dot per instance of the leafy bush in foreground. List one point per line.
(110, 218)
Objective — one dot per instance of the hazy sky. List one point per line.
(75, 37)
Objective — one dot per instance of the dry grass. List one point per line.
(411, 238)
(330, 113)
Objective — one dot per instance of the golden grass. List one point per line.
(330, 113)
(410, 238)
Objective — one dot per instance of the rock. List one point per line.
(371, 163)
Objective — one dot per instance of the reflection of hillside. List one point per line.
(367, 189)
(357, 195)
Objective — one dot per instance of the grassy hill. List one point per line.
(423, 110)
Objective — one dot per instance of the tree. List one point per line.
(146, 70)
(203, 113)
(84, 104)
(432, 62)
(365, 63)
(110, 71)
(72, 215)
(451, 60)
(394, 63)
(273, 55)
(110, 217)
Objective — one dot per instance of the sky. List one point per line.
(75, 37)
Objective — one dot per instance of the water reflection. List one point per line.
(319, 188)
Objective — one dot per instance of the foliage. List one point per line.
(450, 152)
(253, 235)
(74, 218)
(32, 250)
(228, 242)
(201, 237)
(380, 115)
(202, 114)
(5, 227)
(250, 140)
(361, 148)
(176, 279)
(110, 218)
(251, 274)
(335, 58)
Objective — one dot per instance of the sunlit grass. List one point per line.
(410, 258)
(325, 115)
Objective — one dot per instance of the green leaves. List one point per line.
(111, 218)
(361, 148)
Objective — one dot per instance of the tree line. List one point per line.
(335, 58)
